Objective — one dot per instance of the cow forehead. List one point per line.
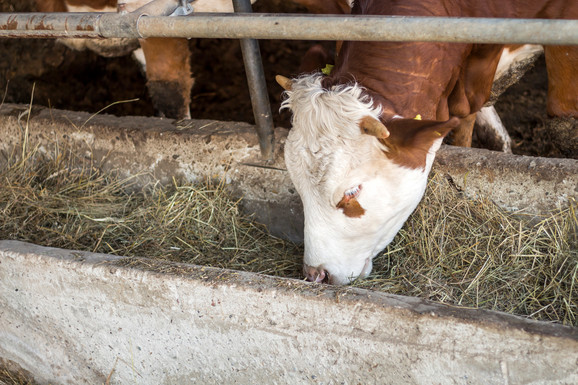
(325, 141)
(319, 114)
(323, 166)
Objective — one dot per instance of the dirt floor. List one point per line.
(66, 79)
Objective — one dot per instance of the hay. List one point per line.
(472, 253)
(9, 377)
(48, 202)
(453, 250)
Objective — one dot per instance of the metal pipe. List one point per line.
(81, 25)
(293, 27)
(257, 87)
(48, 25)
(369, 28)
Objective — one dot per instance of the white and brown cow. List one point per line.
(364, 138)
(167, 61)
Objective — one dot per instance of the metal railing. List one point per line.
(293, 27)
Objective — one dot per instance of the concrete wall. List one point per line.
(76, 317)
(158, 149)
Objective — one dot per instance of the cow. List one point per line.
(166, 61)
(364, 137)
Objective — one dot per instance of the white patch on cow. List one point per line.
(133, 5)
(214, 5)
(327, 156)
(510, 57)
(85, 8)
(139, 57)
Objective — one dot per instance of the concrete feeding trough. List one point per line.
(76, 317)
(70, 317)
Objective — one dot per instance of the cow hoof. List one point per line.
(315, 274)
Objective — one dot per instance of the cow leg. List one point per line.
(563, 98)
(490, 130)
(168, 71)
(462, 134)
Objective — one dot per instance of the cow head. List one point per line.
(358, 179)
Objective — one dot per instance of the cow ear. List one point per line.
(411, 140)
(371, 126)
(284, 82)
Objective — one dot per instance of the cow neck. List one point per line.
(403, 78)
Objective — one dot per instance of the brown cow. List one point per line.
(359, 153)
(167, 61)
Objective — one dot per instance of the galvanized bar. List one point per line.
(368, 28)
(257, 87)
(299, 27)
(48, 25)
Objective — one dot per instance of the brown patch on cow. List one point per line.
(562, 80)
(463, 132)
(51, 6)
(168, 59)
(169, 75)
(316, 58)
(410, 140)
(351, 207)
(95, 4)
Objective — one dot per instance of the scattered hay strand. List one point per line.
(454, 250)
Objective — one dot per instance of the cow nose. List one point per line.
(315, 274)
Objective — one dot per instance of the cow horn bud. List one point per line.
(284, 82)
(372, 126)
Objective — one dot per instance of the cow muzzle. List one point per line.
(316, 274)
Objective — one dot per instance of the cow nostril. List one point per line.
(317, 276)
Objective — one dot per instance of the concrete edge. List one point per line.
(68, 316)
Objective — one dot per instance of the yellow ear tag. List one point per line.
(327, 70)
(418, 117)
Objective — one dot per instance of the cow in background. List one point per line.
(514, 62)
(364, 137)
(166, 61)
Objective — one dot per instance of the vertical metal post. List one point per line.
(257, 86)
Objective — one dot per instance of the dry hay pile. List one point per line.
(453, 250)
(14, 377)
